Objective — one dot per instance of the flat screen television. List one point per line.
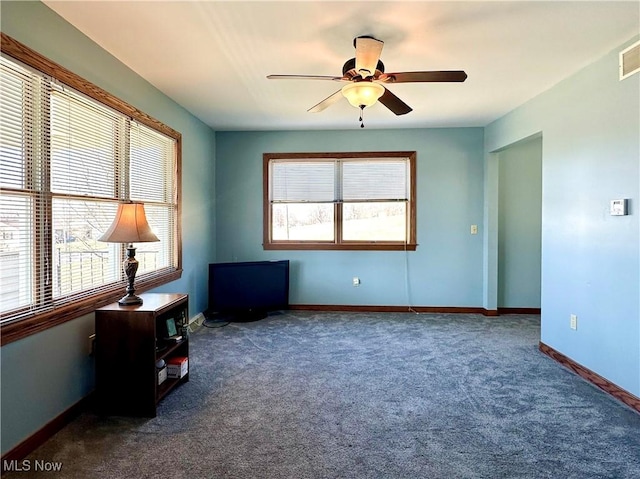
(248, 291)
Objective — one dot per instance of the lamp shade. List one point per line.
(363, 93)
(129, 226)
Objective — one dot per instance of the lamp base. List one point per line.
(130, 267)
(130, 300)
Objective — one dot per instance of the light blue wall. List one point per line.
(590, 123)
(46, 373)
(446, 269)
(520, 224)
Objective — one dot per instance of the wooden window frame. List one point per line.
(338, 244)
(23, 327)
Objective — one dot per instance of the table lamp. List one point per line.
(129, 226)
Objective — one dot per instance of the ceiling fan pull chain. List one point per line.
(361, 115)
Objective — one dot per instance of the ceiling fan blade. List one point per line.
(305, 77)
(368, 52)
(393, 103)
(327, 102)
(436, 76)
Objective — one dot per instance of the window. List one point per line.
(69, 153)
(340, 200)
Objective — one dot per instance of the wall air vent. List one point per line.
(630, 61)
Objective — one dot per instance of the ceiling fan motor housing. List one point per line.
(349, 69)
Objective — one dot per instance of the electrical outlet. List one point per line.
(356, 281)
(573, 322)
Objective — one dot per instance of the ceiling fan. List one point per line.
(366, 80)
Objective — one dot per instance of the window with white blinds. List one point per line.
(339, 200)
(66, 161)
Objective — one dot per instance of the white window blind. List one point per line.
(375, 180)
(86, 158)
(86, 146)
(66, 161)
(21, 185)
(339, 180)
(303, 181)
(152, 180)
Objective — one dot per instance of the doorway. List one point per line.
(520, 225)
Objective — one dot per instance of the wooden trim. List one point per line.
(607, 386)
(499, 311)
(30, 57)
(337, 224)
(385, 309)
(43, 434)
(518, 310)
(267, 218)
(412, 233)
(417, 309)
(339, 244)
(339, 154)
(178, 189)
(21, 328)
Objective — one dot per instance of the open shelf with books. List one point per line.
(142, 353)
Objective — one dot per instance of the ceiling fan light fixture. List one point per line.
(362, 94)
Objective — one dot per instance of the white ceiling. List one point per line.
(212, 57)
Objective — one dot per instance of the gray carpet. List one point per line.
(360, 395)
